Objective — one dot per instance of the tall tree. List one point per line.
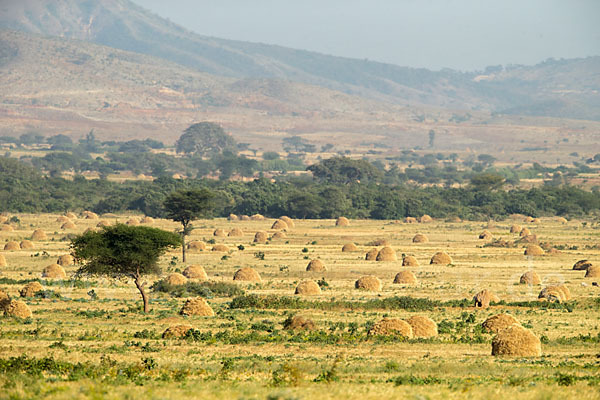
(205, 139)
(184, 206)
(123, 251)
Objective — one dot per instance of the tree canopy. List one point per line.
(345, 170)
(205, 139)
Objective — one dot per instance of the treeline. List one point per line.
(24, 189)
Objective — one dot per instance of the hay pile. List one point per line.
(516, 229)
(132, 222)
(534, 250)
(410, 261)
(102, 224)
(516, 341)
(65, 259)
(12, 246)
(90, 215)
(498, 322)
(3, 219)
(278, 235)
(525, 232)
(392, 326)
(405, 277)
(245, 218)
(176, 331)
(308, 288)
(531, 239)
(342, 221)
(348, 247)
(441, 258)
(257, 217)
(147, 220)
(299, 323)
(233, 217)
(371, 255)
(279, 224)
(25, 244)
(530, 278)
(17, 308)
(561, 220)
(235, 232)
(219, 233)
(528, 220)
(455, 219)
(54, 271)
(39, 234)
(70, 215)
(379, 242)
(68, 225)
(422, 326)
(593, 272)
(368, 282)
(316, 266)
(410, 220)
(484, 298)
(195, 272)
(175, 279)
(425, 219)
(196, 245)
(557, 293)
(420, 238)
(197, 306)
(485, 235)
(261, 237)
(220, 247)
(3, 261)
(386, 254)
(536, 221)
(246, 274)
(62, 219)
(288, 221)
(582, 265)
(4, 299)
(7, 228)
(30, 289)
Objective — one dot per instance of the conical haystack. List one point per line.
(70, 215)
(379, 242)
(392, 326)
(425, 219)
(420, 238)
(3, 262)
(498, 322)
(561, 220)
(534, 250)
(372, 255)
(196, 245)
(557, 293)
(246, 274)
(484, 298)
(349, 247)
(516, 229)
(54, 271)
(441, 258)
(516, 341)
(316, 266)
(197, 307)
(261, 237)
(245, 218)
(387, 254)
(102, 224)
(299, 323)
(195, 272)
(220, 247)
(279, 224)
(18, 309)
(593, 272)
(410, 261)
(279, 235)
(257, 217)
(68, 225)
(235, 232)
(12, 246)
(532, 239)
(7, 228)
(485, 235)
(30, 289)
(90, 215)
(147, 220)
(528, 220)
(233, 217)
(410, 220)
(342, 221)
(454, 219)
(26, 245)
(368, 282)
(219, 233)
(308, 288)
(62, 219)
(530, 278)
(176, 331)
(132, 222)
(536, 221)
(175, 279)
(422, 326)
(525, 232)
(405, 277)
(39, 234)
(290, 222)
(582, 265)
(65, 259)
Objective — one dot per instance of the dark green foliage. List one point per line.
(205, 139)
(344, 170)
(184, 206)
(205, 289)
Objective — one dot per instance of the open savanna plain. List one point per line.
(87, 337)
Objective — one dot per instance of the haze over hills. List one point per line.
(564, 88)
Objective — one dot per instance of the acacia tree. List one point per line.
(184, 206)
(123, 251)
(205, 139)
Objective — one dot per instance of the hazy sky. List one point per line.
(459, 34)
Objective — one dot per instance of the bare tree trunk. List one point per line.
(140, 287)
(183, 246)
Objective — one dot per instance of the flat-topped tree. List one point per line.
(184, 206)
(123, 251)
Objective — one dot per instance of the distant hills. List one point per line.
(555, 88)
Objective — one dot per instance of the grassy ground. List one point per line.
(85, 344)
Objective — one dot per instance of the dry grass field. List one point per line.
(87, 338)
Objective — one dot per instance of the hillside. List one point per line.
(565, 88)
